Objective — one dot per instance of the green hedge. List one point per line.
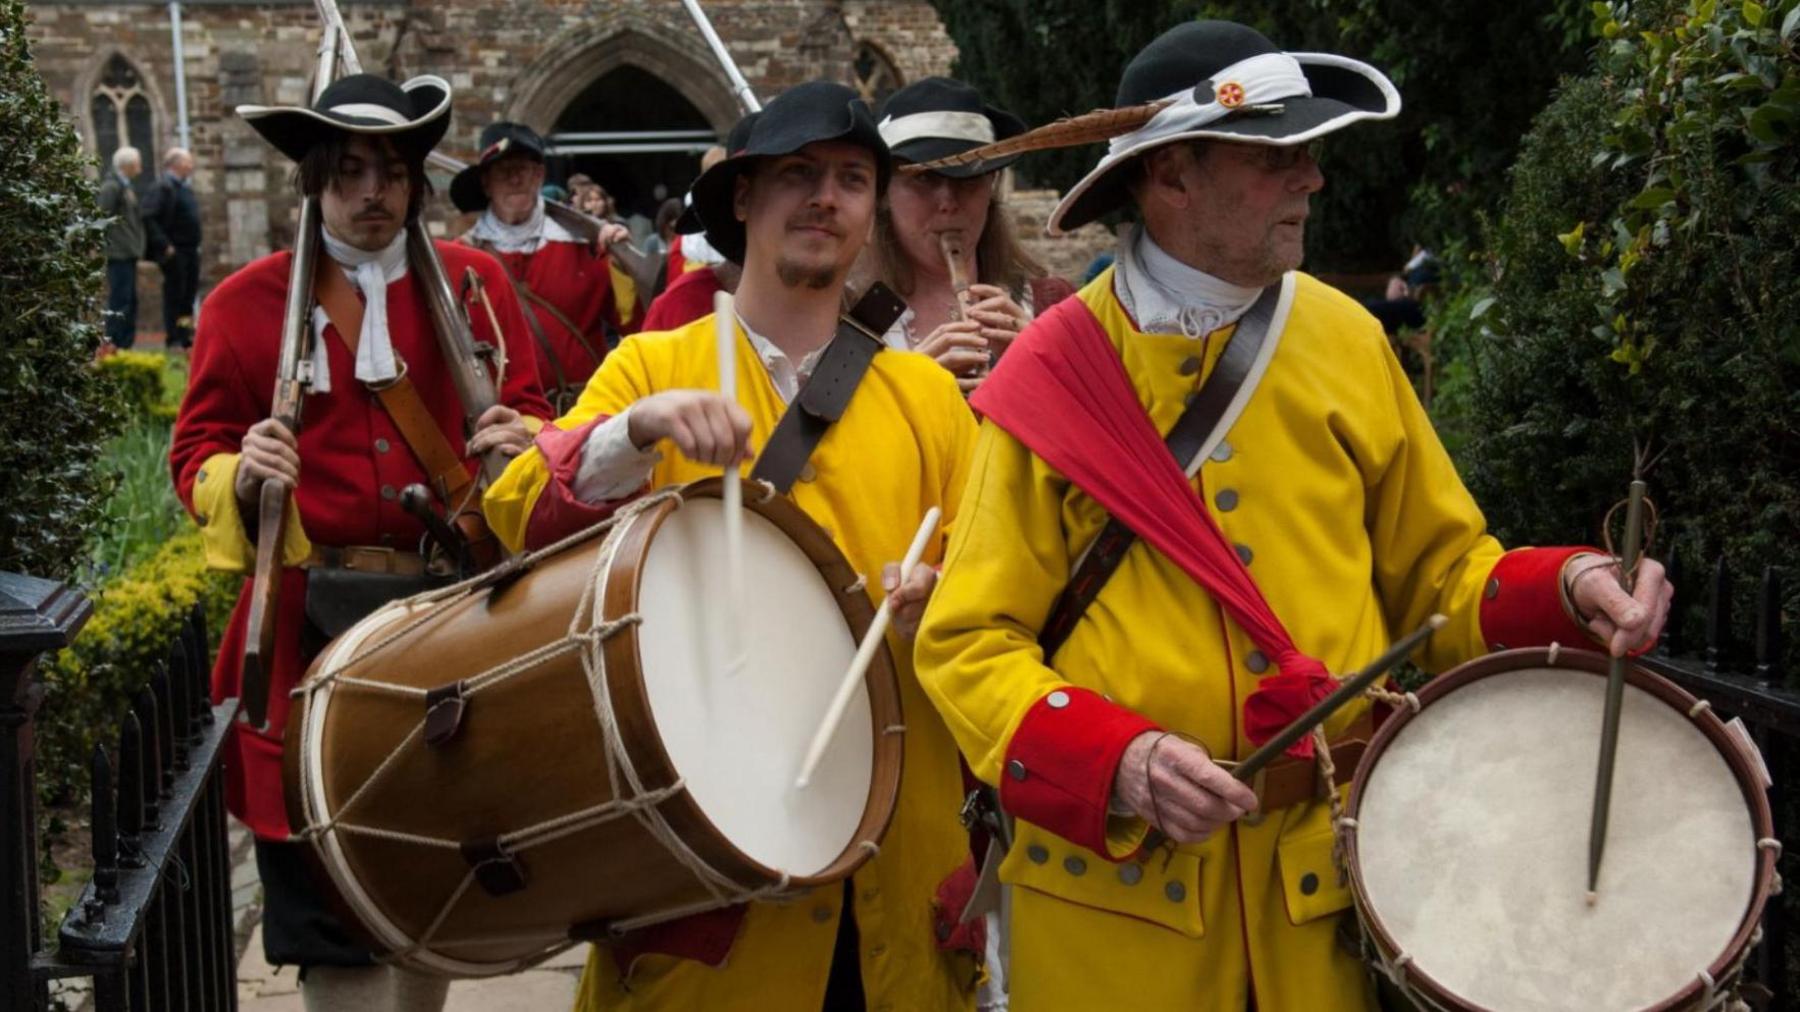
(1645, 301)
(55, 411)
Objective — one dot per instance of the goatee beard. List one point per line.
(795, 275)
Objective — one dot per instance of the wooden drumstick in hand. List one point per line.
(736, 636)
(865, 654)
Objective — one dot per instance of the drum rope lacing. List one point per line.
(636, 801)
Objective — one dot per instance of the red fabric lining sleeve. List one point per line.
(1061, 762)
(558, 513)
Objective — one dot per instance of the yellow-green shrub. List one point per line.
(148, 382)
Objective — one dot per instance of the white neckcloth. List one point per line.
(527, 236)
(1166, 296)
(371, 271)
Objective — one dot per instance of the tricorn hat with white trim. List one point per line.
(413, 115)
(1203, 79)
(936, 117)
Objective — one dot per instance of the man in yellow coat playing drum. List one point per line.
(794, 206)
(1093, 679)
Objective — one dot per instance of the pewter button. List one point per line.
(1309, 884)
(809, 473)
(1493, 588)
(821, 914)
(1074, 865)
(1175, 891)
(1057, 699)
(1226, 500)
(1257, 662)
(1131, 873)
(879, 950)
(1244, 553)
(1222, 452)
(388, 493)
(1037, 854)
(381, 446)
(201, 477)
(1190, 365)
(1017, 769)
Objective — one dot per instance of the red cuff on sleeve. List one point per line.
(1061, 761)
(1521, 604)
(557, 512)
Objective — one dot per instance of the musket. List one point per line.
(293, 378)
(474, 387)
(739, 86)
(642, 268)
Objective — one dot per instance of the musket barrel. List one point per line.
(738, 84)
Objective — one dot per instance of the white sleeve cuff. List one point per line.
(611, 467)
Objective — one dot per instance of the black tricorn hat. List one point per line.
(936, 117)
(497, 141)
(690, 222)
(1219, 79)
(413, 115)
(804, 114)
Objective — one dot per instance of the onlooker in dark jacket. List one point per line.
(172, 220)
(124, 245)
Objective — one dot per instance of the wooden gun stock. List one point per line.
(265, 602)
(474, 387)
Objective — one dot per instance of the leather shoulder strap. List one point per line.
(1206, 408)
(400, 399)
(827, 392)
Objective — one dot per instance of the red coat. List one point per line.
(688, 298)
(351, 456)
(577, 280)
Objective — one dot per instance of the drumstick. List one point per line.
(865, 654)
(1615, 700)
(1349, 689)
(736, 638)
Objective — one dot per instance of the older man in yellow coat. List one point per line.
(1329, 486)
(795, 207)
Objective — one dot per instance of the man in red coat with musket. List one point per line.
(350, 546)
(579, 302)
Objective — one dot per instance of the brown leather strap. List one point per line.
(1289, 781)
(828, 390)
(1205, 408)
(565, 391)
(366, 559)
(400, 399)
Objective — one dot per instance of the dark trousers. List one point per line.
(181, 283)
(121, 302)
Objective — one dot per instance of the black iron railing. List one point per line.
(1748, 680)
(153, 926)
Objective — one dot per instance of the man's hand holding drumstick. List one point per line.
(1174, 785)
(705, 427)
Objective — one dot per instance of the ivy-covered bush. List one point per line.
(1646, 305)
(55, 409)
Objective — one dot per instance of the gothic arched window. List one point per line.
(121, 113)
(875, 76)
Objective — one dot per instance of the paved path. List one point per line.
(262, 988)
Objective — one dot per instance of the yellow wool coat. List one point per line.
(1357, 528)
(900, 448)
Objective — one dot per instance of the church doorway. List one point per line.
(635, 135)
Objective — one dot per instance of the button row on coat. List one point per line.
(1130, 873)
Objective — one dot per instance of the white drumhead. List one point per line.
(1472, 846)
(737, 738)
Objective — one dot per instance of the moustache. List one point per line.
(821, 220)
(376, 215)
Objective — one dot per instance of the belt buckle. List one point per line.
(1256, 785)
(370, 552)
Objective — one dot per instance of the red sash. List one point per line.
(1062, 391)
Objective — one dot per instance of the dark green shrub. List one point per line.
(1646, 258)
(55, 410)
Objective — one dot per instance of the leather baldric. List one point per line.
(1205, 409)
(565, 393)
(400, 399)
(827, 391)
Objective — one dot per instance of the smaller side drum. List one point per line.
(1468, 848)
(491, 772)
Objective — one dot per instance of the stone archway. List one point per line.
(562, 72)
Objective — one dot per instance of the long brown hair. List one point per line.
(319, 169)
(999, 258)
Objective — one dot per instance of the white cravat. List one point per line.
(527, 236)
(371, 271)
(1166, 296)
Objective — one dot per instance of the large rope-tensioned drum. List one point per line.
(1467, 842)
(578, 744)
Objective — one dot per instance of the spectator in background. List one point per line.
(553, 192)
(172, 229)
(1402, 307)
(658, 243)
(124, 245)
